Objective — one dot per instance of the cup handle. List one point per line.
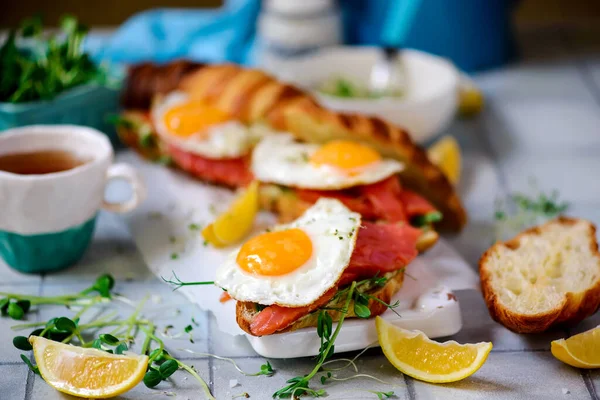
(128, 173)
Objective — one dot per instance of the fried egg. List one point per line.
(198, 128)
(293, 264)
(335, 165)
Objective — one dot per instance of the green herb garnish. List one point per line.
(45, 68)
(427, 219)
(179, 283)
(521, 211)
(194, 227)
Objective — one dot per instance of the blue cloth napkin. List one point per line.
(224, 34)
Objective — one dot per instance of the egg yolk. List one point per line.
(275, 253)
(344, 155)
(192, 117)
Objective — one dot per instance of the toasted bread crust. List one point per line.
(245, 311)
(574, 307)
(252, 96)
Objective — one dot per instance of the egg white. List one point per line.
(231, 139)
(332, 229)
(280, 159)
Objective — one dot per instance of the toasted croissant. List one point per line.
(251, 96)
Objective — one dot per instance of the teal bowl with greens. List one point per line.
(85, 105)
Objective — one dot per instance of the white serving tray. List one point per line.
(175, 200)
(434, 311)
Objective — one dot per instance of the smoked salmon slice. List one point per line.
(385, 200)
(230, 171)
(274, 318)
(415, 204)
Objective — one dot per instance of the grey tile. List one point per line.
(13, 380)
(181, 385)
(9, 275)
(480, 183)
(8, 353)
(262, 387)
(512, 376)
(112, 251)
(477, 235)
(478, 326)
(531, 80)
(573, 177)
(163, 307)
(544, 127)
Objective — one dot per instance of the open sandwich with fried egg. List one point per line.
(283, 279)
(229, 125)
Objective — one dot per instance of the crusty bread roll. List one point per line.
(245, 312)
(545, 276)
(253, 96)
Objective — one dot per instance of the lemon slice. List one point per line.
(413, 354)
(445, 153)
(581, 351)
(89, 373)
(470, 98)
(235, 223)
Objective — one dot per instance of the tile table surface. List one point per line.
(541, 120)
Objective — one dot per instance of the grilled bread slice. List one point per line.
(546, 276)
(252, 96)
(245, 311)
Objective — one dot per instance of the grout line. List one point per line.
(589, 384)
(211, 383)
(3, 363)
(521, 351)
(29, 384)
(410, 387)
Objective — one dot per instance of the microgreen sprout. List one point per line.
(521, 211)
(17, 306)
(382, 395)
(178, 283)
(194, 227)
(63, 329)
(299, 385)
(265, 369)
(50, 66)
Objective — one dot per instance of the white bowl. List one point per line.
(426, 108)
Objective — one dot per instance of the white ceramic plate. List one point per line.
(428, 106)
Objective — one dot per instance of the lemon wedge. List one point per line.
(581, 351)
(89, 373)
(445, 153)
(235, 223)
(470, 98)
(413, 354)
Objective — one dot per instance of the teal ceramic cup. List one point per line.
(47, 221)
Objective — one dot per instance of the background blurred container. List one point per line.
(290, 27)
(474, 34)
(87, 105)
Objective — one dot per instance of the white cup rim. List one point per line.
(103, 149)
